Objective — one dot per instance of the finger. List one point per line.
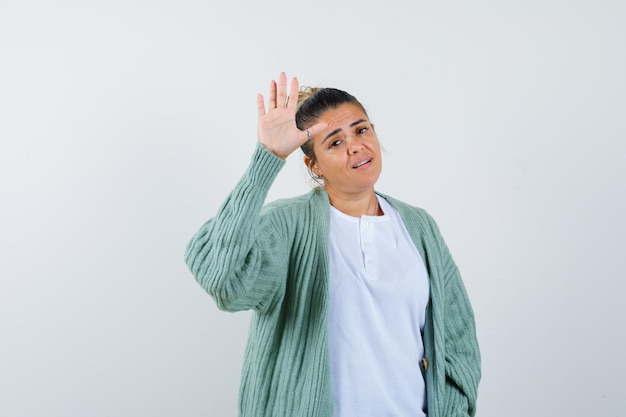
(282, 90)
(293, 94)
(317, 128)
(260, 104)
(272, 98)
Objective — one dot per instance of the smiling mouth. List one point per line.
(361, 163)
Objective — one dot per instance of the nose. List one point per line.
(354, 145)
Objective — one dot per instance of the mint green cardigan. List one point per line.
(274, 260)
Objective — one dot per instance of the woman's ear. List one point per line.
(312, 166)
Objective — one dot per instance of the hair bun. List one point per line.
(305, 93)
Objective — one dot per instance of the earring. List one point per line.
(315, 176)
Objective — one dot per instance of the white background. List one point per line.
(124, 124)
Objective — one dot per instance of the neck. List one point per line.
(355, 205)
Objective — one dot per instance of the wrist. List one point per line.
(274, 151)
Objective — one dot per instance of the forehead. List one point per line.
(344, 114)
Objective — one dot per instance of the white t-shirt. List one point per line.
(378, 294)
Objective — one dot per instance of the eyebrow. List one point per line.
(334, 132)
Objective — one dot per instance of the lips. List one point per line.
(361, 163)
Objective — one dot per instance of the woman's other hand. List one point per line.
(277, 129)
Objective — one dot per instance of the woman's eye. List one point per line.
(335, 143)
(361, 130)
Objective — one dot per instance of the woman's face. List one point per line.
(347, 151)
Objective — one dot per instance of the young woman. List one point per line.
(359, 307)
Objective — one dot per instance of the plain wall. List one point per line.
(124, 124)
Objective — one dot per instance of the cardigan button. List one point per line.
(425, 364)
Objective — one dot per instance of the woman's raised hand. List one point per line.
(277, 129)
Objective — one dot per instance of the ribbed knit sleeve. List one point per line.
(239, 259)
(454, 322)
(451, 345)
(462, 356)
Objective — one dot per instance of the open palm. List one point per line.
(277, 129)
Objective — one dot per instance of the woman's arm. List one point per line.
(462, 355)
(238, 256)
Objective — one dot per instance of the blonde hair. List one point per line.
(305, 93)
